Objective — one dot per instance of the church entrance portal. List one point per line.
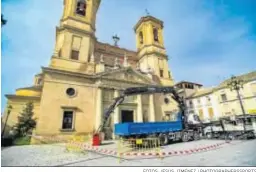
(127, 116)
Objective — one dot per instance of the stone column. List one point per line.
(152, 117)
(116, 113)
(139, 109)
(99, 107)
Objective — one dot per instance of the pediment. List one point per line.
(128, 75)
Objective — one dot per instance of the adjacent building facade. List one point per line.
(212, 103)
(84, 75)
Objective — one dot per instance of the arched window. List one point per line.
(155, 32)
(141, 37)
(81, 7)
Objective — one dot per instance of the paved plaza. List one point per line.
(236, 153)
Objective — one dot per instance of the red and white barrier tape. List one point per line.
(160, 153)
(131, 154)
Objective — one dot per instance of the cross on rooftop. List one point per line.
(116, 39)
(147, 13)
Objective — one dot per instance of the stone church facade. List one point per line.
(71, 94)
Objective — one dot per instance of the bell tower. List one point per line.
(75, 36)
(150, 47)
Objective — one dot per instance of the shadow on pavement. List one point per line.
(107, 143)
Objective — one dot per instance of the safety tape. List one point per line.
(170, 153)
(88, 147)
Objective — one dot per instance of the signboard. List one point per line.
(252, 111)
(138, 141)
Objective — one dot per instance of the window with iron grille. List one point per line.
(67, 122)
(223, 97)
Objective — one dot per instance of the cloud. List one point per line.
(204, 41)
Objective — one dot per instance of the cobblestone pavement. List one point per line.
(237, 153)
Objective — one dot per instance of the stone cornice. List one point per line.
(118, 84)
(79, 31)
(70, 60)
(197, 96)
(150, 45)
(154, 53)
(65, 72)
(232, 100)
(125, 81)
(148, 18)
(34, 88)
(105, 78)
(126, 69)
(11, 96)
(80, 21)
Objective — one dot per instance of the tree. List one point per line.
(3, 21)
(26, 123)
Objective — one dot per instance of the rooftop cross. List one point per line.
(147, 13)
(116, 39)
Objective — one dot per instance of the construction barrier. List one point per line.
(77, 142)
(135, 146)
(130, 148)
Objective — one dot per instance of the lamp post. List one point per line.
(9, 108)
(237, 84)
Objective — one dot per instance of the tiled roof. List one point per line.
(188, 83)
(204, 91)
(110, 53)
(201, 92)
(245, 77)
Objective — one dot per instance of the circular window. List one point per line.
(166, 100)
(71, 92)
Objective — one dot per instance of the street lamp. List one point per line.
(237, 84)
(9, 108)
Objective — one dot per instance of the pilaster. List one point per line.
(152, 117)
(139, 109)
(116, 112)
(99, 107)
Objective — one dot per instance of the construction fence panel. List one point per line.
(76, 143)
(129, 147)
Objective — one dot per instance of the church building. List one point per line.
(84, 75)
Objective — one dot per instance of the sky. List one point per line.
(206, 41)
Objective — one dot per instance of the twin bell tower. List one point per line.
(75, 40)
